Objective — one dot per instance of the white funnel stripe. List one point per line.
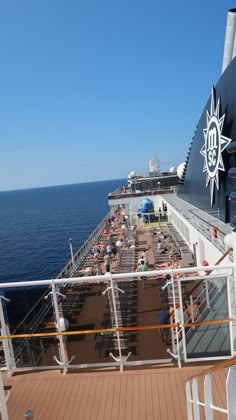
(229, 39)
(234, 48)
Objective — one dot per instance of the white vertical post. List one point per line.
(182, 319)
(189, 403)
(208, 397)
(234, 255)
(192, 308)
(5, 342)
(234, 260)
(230, 393)
(175, 312)
(71, 253)
(58, 325)
(4, 413)
(207, 294)
(13, 363)
(230, 316)
(196, 410)
(116, 321)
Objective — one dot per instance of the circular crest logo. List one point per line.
(214, 145)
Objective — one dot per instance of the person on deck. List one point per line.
(109, 249)
(107, 262)
(143, 267)
(145, 257)
(164, 319)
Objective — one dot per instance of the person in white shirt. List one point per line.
(145, 257)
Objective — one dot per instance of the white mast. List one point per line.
(154, 165)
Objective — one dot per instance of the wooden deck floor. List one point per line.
(138, 395)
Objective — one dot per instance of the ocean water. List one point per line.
(35, 225)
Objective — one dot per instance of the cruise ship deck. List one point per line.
(138, 394)
(93, 386)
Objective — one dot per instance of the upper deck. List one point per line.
(138, 394)
(106, 393)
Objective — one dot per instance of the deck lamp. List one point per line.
(228, 240)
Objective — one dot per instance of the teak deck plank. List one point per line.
(122, 399)
(116, 399)
(74, 395)
(135, 412)
(142, 396)
(139, 394)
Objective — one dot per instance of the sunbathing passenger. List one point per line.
(167, 264)
(193, 311)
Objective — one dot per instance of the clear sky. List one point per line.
(91, 90)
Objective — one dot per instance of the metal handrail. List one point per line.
(92, 237)
(209, 272)
(192, 393)
(205, 228)
(116, 329)
(221, 365)
(84, 248)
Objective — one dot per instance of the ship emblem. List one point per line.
(214, 144)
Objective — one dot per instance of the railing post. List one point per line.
(4, 413)
(182, 319)
(230, 393)
(231, 336)
(196, 410)
(192, 309)
(234, 255)
(207, 294)
(208, 397)
(72, 254)
(63, 352)
(116, 321)
(189, 403)
(6, 345)
(12, 356)
(176, 320)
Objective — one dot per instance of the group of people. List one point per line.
(165, 316)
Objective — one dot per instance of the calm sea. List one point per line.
(35, 226)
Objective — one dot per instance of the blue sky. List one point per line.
(92, 89)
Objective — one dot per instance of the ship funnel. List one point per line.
(230, 39)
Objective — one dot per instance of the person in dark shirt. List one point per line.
(163, 319)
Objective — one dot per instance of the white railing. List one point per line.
(199, 306)
(108, 279)
(193, 399)
(209, 229)
(210, 232)
(203, 301)
(67, 271)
